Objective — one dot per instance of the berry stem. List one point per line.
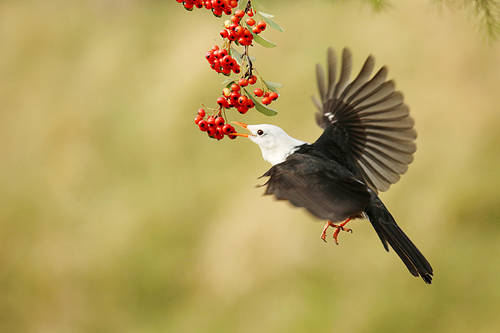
(248, 6)
(249, 62)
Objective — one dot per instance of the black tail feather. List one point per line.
(389, 232)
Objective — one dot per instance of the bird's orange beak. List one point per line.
(242, 125)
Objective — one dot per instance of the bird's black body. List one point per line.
(367, 143)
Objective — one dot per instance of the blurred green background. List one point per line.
(118, 215)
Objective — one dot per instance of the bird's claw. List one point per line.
(323, 235)
(338, 228)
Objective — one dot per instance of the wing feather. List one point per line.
(367, 121)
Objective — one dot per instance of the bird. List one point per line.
(367, 143)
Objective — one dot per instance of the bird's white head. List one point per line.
(274, 143)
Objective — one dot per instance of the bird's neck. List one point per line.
(280, 152)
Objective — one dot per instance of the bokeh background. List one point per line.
(118, 215)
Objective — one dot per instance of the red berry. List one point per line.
(197, 119)
(232, 36)
(234, 97)
(250, 21)
(242, 109)
(239, 30)
(215, 67)
(226, 71)
(256, 30)
(222, 53)
(234, 19)
(250, 13)
(273, 95)
(235, 87)
(243, 82)
(210, 56)
(211, 120)
(258, 92)
(239, 13)
(250, 103)
(228, 129)
(219, 121)
(236, 70)
(233, 3)
(266, 101)
(252, 79)
(247, 34)
(220, 130)
(242, 100)
(262, 25)
(217, 12)
(201, 112)
(203, 125)
(219, 133)
(212, 130)
(223, 4)
(227, 59)
(245, 40)
(224, 33)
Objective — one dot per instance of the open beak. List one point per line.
(242, 125)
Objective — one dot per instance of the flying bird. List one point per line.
(367, 143)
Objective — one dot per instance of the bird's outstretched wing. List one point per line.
(321, 186)
(368, 120)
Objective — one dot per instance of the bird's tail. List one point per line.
(389, 232)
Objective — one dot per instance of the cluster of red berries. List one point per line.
(218, 7)
(221, 62)
(241, 29)
(234, 98)
(235, 32)
(215, 127)
(267, 97)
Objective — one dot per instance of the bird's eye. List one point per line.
(260, 132)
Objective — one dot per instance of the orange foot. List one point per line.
(337, 227)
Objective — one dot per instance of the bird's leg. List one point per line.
(323, 234)
(337, 227)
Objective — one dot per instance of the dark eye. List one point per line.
(260, 132)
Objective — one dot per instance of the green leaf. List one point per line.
(228, 82)
(262, 41)
(273, 85)
(270, 22)
(265, 14)
(273, 89)
(261, 107)
(237, 56)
